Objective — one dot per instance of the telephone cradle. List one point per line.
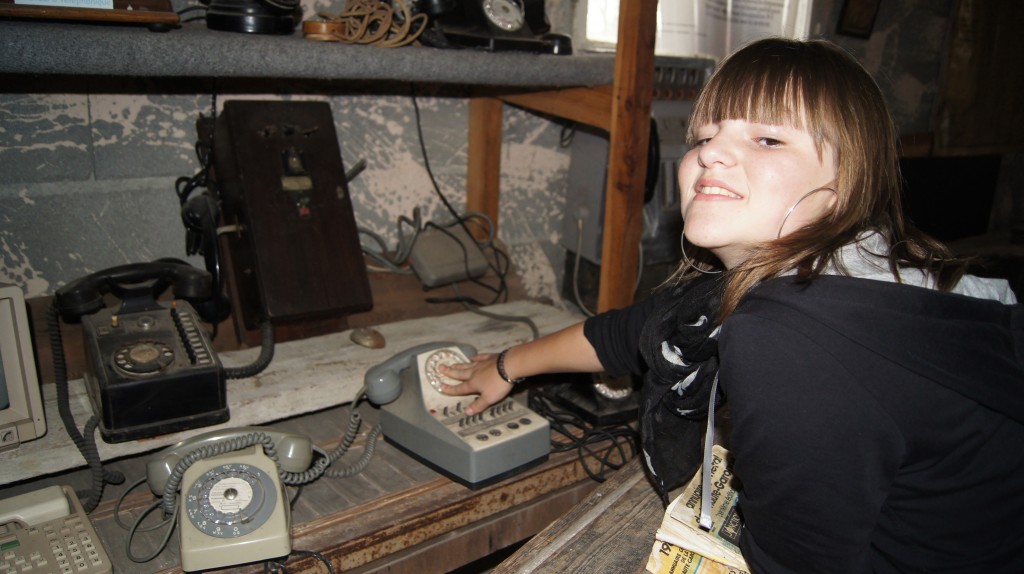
(432, 427)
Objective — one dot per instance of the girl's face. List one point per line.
(740, 180)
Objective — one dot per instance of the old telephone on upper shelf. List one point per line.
(494, 25)
(150, 366)
(232, 508)
(253, 16)
(433, 427)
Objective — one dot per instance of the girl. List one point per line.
(875, 390)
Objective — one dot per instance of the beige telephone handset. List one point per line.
(233, 509)
(475, 450)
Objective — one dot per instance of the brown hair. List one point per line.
(818, 87)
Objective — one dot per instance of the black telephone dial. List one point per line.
(150, 365)
(494, 25)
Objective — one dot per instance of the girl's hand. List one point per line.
(479, 376)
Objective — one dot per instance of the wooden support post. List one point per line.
(627, 154)
(483, 172)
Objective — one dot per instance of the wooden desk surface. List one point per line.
(397, 515)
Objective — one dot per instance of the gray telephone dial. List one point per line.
(232, 508)
(433, 427)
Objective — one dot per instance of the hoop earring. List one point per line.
(805, 196)
(689, 262)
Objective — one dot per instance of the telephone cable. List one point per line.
(86, 441)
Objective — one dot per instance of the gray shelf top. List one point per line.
(40, 47)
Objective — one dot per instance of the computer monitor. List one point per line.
(21, 404)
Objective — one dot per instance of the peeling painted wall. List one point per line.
(88, 179)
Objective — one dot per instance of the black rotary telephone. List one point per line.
(150, 365)
(493, 25)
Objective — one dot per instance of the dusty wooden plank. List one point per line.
(305, 376)
(623, 513)
(475, 541)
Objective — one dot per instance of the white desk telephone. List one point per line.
(433, 427)
(232, 508)
(47, 531)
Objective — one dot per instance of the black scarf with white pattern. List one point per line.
(679, 344)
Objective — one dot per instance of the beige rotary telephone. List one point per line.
(232, 508)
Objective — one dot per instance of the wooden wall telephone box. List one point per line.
(291, 242)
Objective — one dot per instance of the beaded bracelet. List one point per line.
(501, 370)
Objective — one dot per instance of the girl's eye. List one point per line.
(700, 141)
(769, 142)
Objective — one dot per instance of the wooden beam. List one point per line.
(627, 154)
(590, 106)
(483, 170)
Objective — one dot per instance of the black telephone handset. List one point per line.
(496, 25)
(150, 365)
(137, 285)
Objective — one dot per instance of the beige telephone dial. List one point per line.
(232, 508)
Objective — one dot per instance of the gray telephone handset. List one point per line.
(475, 450)
(233, 509)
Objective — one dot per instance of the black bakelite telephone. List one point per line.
(253, 16)
(150, 365)
(493, 25)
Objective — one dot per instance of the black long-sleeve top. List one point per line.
(876, 427)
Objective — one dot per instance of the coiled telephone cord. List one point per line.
(85, 441)
(370, 22)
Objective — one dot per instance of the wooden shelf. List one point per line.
(193, 51)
